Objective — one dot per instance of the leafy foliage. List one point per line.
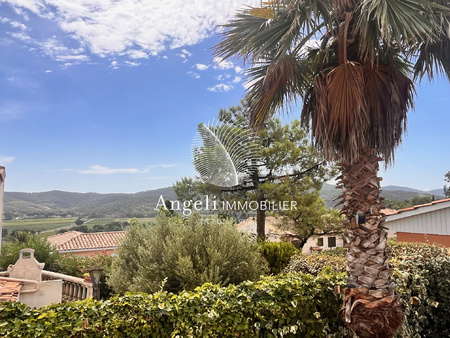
(416, 200)
(314, 264)
(286, 305)
(422, 278)
(289, 171)
(277, 254)
(180, 254)
(446, 189)
(282, 306)
(23, 240)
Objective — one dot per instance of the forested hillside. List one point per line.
(140, 204)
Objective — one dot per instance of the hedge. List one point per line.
(288, 305)
(282, 306)
(422, 278)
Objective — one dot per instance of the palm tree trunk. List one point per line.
(371, 309)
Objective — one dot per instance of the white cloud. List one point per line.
(132, 64)
(98, 169)
(184, 55)
(55, 49)
(168, 165)
(114, 65)
(194, 74)
(201, 66)
(238, 70)
(237, 79)
(4, 160)
(19, 25)
(222, 77)
(222, 64)
(108, 27)
(221, 87)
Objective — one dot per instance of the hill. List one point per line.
(140, 204)
(393, 193)
(91, 205)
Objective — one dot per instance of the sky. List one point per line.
(105, 96)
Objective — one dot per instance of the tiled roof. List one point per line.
(75, 240)
(394, 212)
(9, 290)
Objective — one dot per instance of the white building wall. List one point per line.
(312, 243)
(431, 221)
(48, 292)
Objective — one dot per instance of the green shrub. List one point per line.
(43, 251)
(174, 255)
(314, 264)
(277, 254)
(422, 278)
(420, 252)
(295, 305)
(424, 286)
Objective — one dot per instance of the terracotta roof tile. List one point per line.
(74, 240)
(9, 290)
(420, 206)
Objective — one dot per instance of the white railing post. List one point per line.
(2, 190)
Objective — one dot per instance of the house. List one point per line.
(426, 223)
(275, 233)
(323, 242)
(27, 282)
(87, 244)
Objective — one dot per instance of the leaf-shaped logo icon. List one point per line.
(224, 154)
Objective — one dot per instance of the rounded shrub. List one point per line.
(178, 254)
(277, 254)
(314, 264)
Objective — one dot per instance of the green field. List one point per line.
(103, 221)
(48, 226)
(39, 224)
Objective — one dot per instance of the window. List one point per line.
(331, 242)
(320, 241)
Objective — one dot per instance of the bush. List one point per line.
(277, 254)
(422, 278)
(424, 286)
(420, 252)
(43, 252)
(314, 264)
(174, 255)
(282, 306)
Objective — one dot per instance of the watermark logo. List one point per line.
(224, 154)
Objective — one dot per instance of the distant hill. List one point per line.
(48, 203)
(394, 193)
(436, 192)
(142, 204)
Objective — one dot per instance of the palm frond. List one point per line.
(274, 84)
(401, 21)
(338, 111)
(257, 32)
(389, 95)
(433, 57)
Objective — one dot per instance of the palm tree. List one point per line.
(354, 65)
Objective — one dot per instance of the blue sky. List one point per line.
(106, 97)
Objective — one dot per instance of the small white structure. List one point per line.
(24, 282)
(426, 223)
(274, 233)
(324, 242)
